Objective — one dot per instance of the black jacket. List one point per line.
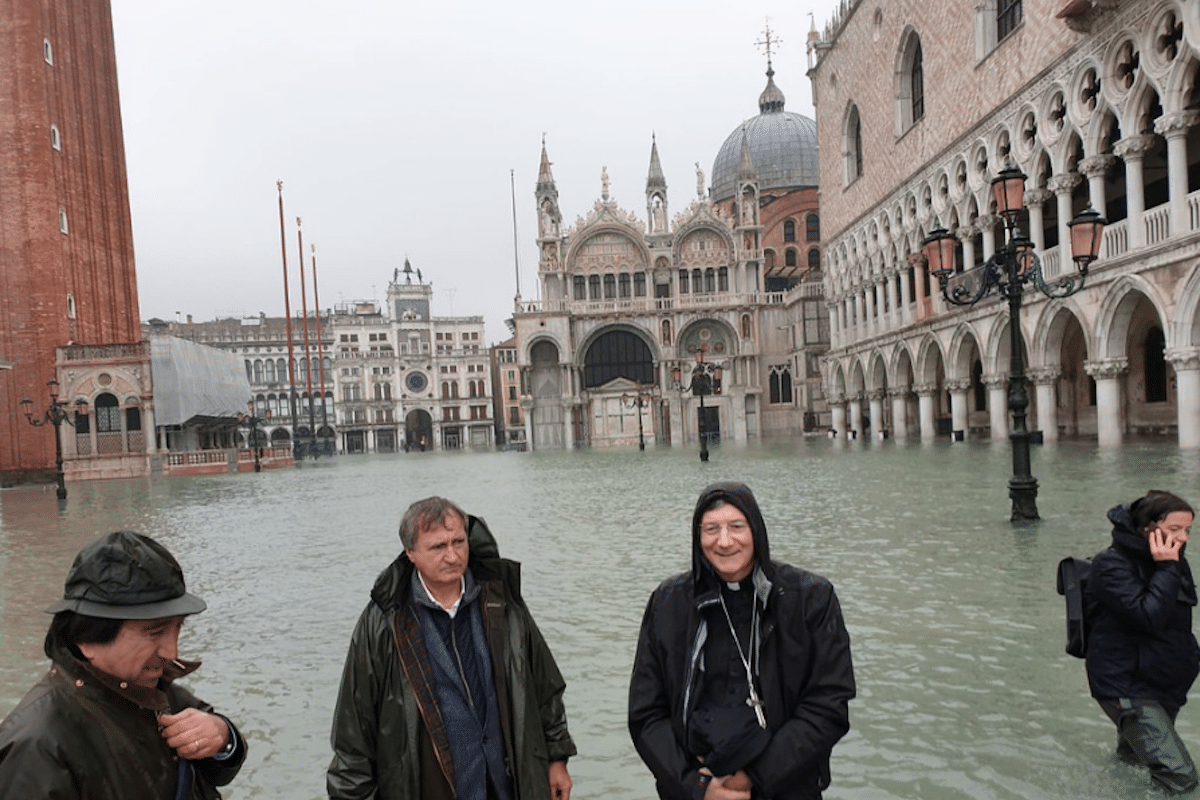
(805, 676)
(1140, 645)
(81, 734)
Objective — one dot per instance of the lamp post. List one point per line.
(643, 398)
(705, 380)
(1007, 272)
(253, 421)
(56, 415)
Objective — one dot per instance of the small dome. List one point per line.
(782, 145)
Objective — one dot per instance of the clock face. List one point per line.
(416, 382)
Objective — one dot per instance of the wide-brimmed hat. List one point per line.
(127, 575)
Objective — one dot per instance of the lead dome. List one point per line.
(782, 145)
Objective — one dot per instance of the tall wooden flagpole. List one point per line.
(297, 452)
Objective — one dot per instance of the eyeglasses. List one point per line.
(735, 528)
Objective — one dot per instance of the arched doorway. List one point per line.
(418, 431)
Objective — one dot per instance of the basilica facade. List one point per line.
(709, 323)
(1096, 103)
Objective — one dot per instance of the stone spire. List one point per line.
(546, 194)
(656, 193)
(545, 176)
(771, 98)
(746, 170)
(655, 179)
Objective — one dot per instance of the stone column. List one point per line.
(869, 304)
(837, 411)
(1045, 382)
(958, 408)
(1132, 150)
(897, 311)
(1034, 200)
(1187, 394)
(966, 236)
(925, 394)
(997, 388)
(875, 406)
(1063, 186)
(986, 223)
(1096, 169)
(1109, 375)
(1174, 127)
(899, 413)
(854, 423)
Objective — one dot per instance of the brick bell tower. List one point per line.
(67, 274)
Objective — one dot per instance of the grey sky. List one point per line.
(394, 125)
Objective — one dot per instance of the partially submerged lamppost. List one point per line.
(56, 415)
(643, 397)
(705, 380)
(1006, 273)
(252, 421)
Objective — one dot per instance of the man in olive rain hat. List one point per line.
(108, 720)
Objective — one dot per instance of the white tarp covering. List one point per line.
(193, 380)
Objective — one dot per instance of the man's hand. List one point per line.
(560, 781)
(729, 787)
(194, 734)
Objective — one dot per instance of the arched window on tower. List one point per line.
(789, 258)
(580, 285)
(683, 281)
(852, 155)
(910, 83)
(812, 227)
(789, 230)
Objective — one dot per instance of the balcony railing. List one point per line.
(644, 305)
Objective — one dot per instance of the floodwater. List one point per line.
(957, 632)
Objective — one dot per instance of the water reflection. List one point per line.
(957, 632)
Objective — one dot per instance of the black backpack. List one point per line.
(1072, 577)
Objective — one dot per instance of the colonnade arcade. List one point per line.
(1100, 370)
(1114, 127)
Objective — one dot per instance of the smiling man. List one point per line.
(449, 689)
(742, 677)
(108, 722)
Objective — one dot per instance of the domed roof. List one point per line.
(782, 146)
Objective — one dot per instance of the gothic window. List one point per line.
(108, 414)
(710, 280)
(697, 281)
(445, 390)
(723, 279)
(789, 258)
(268, 371)
(852, 146)
(258, 371)
(624, 285)
(639, 284)
(683, 281)
(610, 286)
(55, 138)
(789, 230)
(593, 287)
(780, 385)
(580, 285)
(814, 259)
(1008, 16)
(812, 227)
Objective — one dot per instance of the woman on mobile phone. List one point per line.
(1142, 657)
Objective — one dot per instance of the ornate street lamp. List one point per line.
(1006, 273)
(644, 397)
(705, 380)
(56, 415)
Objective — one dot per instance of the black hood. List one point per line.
(739, 496)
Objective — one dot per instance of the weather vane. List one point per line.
(768, 41)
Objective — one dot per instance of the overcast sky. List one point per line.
(394, 127)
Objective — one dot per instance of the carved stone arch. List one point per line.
(1040, 170)
(979, 171)
(585, 252)
(1052, 114)
(704, 230)
(1191, 25)
(930, 360)
(1178, 83)
(901, 369)
(1068, 153)
(1045, 344)
(646, 336)
(996, 347)
(878, 377)
(721, 339)
(1163, 44)
(1135, 107)
(1185, 329)
(837, 378)
(941, 199)
(1102, 131)
(958, 365)
(960, 180)
(1000, 149)
(1122, 67)
(858, 376)
(542, 342)
(1084, 96)
(1026, 136)
(1112, 323)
